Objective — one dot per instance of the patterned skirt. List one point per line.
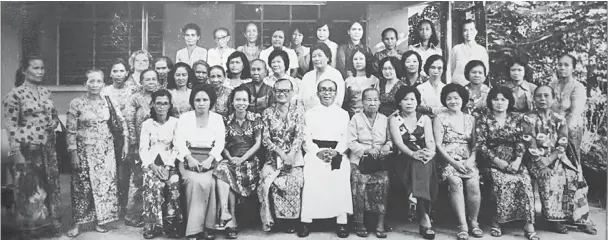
(280, 194)
(513, 196)
(94, 190)
(243, 179)
(37, 197)
(370, 192)
(460, 150)
(162, 200)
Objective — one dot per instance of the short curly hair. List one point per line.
(408, 54)
(457, 88)
(506, 92)
(404, 91)
(282, 54)
(472, 64)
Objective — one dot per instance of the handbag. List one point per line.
(61, 148)
(116, 129)
(200, 154)
(369, 164)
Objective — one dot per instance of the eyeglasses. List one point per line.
(282, 91)
(327, 90)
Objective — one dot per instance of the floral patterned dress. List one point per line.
(281, 186)
(457, 145)
(512, 193)
(30, 120)
(477, 102)
(570, 102)
(387, 99)
(94, 193)
(564, 192)
(161, 196)
(243, 178)
(136, 112)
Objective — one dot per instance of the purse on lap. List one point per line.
(369, 164)
(200, 154)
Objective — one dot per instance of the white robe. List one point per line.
(326, 192)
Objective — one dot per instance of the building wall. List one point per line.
(11, 49)
(207, 15)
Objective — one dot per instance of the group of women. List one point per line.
(176, 147)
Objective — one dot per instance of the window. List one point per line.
(92, 34)
(270, 17)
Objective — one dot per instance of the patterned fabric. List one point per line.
(570, 102)
(512, 193)
(370, 192)
(564, 192)
(136, 112)
(420, 80)
(387, 99)
(243, 178)
(94, 193)
(280, 194)
(264, 90)
(221, 104)
(119, 95)
(456, 145)
(281, 188)
(181, 101)
(378, 56)
(344, 52)
(354, 91)
(162, 199)
(30, 120)
(477, 101)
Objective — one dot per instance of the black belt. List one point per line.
(335, 161)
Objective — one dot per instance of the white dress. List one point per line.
(326, 192)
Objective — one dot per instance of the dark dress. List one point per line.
(387, 99)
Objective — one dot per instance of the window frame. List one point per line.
(57, 86)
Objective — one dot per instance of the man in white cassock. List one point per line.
(326, 192)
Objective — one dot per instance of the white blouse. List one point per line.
(157, 140)
(198, 53)
(215, 58)
(188, 134)
(430, 96)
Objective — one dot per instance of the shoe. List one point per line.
(101, 229)
(380, 234)
(152, 233)
(427, 233)
(232, 233)
(132, 223)
(303, 231)
(342, 231)
(560, 228)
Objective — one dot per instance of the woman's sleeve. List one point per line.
(453, 60)
(144, 145)
(12, 110)
(520, 146)
(356, 149)
(220, 137)
(72, 124)
(579, 99)
(528, 127)
(341, 60)
(130, 110)
(181, 133)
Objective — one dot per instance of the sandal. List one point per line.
(361, 232)
(222, 225)
(496, 232)
(427, 232)
(531, 236)
(463, 234)
(476, 232)
(231, 233)
(101, 229)
(380, 233)
(74, 232)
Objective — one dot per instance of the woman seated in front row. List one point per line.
(368, 140)
(161, 181)
(238, 174)
(200, 138)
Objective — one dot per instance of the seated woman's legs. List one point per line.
(473, 201)
(224, 197)
(152, 192)
(456, 195)
(201, 202)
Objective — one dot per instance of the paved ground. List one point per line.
(445, 231)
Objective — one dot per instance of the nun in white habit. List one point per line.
(327, 192)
